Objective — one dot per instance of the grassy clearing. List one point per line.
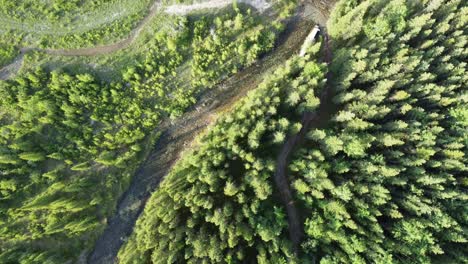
(83, 24)
(107, 66)
(72, 24)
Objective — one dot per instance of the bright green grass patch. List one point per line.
(70, 25)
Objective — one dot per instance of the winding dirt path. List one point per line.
(106, 49)
(8, 70)
(310, 120)
(177, 9)
(179, 134)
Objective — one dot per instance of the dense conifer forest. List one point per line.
(382, 181)
(205, 210)
(385, 180)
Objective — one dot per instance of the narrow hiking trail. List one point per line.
(309, 121)
(178, 135)
(176, 9)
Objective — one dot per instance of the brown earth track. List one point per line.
(309, 121)
(177, 135)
